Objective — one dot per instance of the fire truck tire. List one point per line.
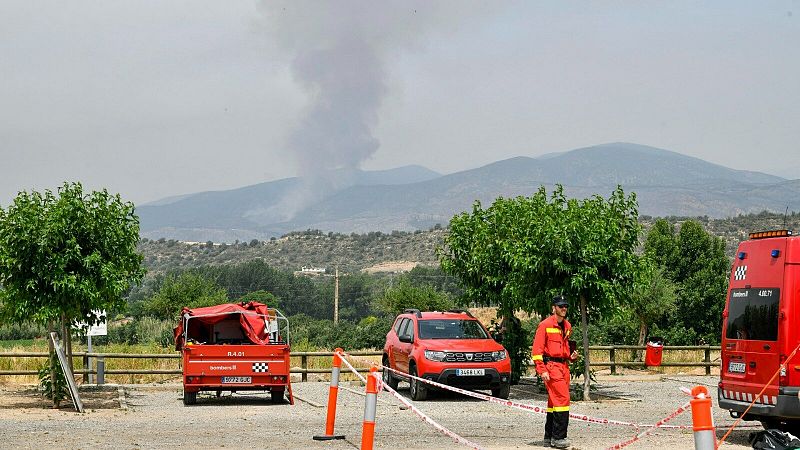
(388, 377)
(418, 391)
(276, 396)
(503, 391)
(189, 398)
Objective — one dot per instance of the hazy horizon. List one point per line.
(158, 99)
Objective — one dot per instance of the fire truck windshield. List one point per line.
(753, 314)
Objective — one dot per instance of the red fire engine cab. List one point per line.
(761, 329)
(234, 347)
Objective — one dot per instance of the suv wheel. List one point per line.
(503, 391)
(388, 376)
(418, 390)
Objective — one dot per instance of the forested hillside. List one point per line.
(312, 248)
(353, 252)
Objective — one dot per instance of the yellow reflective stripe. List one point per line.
(549, 409)
(537, 358)
(553, 330)
(559, 409)
(569, 332)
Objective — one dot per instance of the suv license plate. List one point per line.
(469, 372)
(736, 367)
(236, 380)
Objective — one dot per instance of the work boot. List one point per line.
(560, 443)
(548, 442)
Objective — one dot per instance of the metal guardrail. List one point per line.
(612, 362)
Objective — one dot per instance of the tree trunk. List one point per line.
(68, 340)
(585, 330)
(642, 335)
(65, 342)
(51, 350)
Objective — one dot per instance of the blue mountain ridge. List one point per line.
(413, 197)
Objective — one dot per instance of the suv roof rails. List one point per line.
(462, 311)
(412, 311)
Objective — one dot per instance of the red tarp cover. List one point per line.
(252, 325)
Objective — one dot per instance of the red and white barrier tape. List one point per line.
(425, 418)
(347, 363)
(517, 405)
(659, 424)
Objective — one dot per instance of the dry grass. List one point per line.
(313, 362)
(488, 313)
(34, 363)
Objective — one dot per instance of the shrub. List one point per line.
(50, 388)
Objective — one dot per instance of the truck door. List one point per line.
(752, 351)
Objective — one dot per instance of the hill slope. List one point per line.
(407, 199)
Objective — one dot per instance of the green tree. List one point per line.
(520, 252)
(65, 255)
(261, 297)
(697, 264)
(661, 246)
(653, 296)
(405, 295)
(187, 289)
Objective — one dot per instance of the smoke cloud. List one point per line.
(337, 52)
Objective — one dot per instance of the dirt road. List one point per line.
(155, 417)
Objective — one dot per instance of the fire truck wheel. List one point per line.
(189, 398)
(277, 396)
(418, 391)
(388, 377)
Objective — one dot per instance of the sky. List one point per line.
(153, 98)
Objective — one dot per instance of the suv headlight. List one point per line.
(434, 355)
(499, 356)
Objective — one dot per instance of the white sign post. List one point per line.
(99, 329)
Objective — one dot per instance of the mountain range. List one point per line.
(413, 197)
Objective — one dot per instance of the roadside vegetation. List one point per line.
(672, 283)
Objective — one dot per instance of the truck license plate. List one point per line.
(736, 367)
(236, 380)
(469, 372)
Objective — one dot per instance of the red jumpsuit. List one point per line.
(551, 354)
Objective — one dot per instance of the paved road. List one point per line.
(156, 418)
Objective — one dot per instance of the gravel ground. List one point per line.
(155, 418)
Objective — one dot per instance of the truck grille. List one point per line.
(468, 357)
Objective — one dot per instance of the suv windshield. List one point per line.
(451, 329)
(753, 314)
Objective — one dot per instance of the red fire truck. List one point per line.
(234, 347)
(761, 329)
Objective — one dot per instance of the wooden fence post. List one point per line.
(708, 359)
(304, 365)
(86, 366)
(612, 358)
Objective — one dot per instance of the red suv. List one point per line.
(450, 347)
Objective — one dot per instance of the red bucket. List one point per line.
(653, 354)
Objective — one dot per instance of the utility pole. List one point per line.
(336, 299)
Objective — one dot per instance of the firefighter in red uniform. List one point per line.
(551, 354)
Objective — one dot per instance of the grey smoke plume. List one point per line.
(337, 52)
